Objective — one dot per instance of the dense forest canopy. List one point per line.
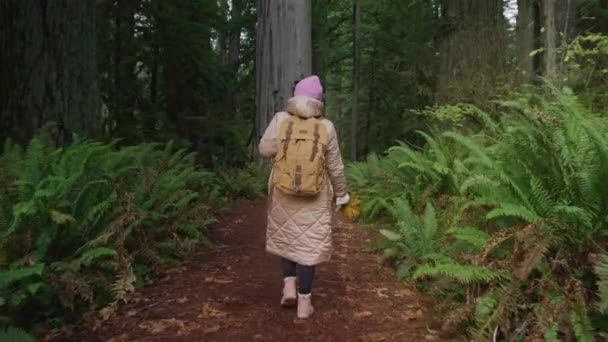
(446, 105)
(153, 70)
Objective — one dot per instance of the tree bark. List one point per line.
(526, 38)
(550, 39)
(283, 54)
(371, 100)
(472, 58)
(356, 75)
(48, 54)
(603, 17)
(235, 34)
(566, 27)
(125, 82)
(319, 37)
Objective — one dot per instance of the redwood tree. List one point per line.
(472, 58)
(283, 54)
(49, 69)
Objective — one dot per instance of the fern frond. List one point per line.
(478, 181)
(474, 236)
(61, 218)
(10, 276)
(13, 334)
(568, 213)
(581, 324)
(390, 235)
(466, 274)
(533, 257)
(601, 269)
(88, 257)
(512, 210)
(430, 227)
(33, 167)
(494, 311)
(123, 284)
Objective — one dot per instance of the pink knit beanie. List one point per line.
(311, 87)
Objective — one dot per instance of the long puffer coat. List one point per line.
(300, 228)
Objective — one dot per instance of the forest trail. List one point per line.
(231, 293)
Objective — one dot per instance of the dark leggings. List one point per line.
(305, 274)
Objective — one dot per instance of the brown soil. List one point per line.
(232, 291)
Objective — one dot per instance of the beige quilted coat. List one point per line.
(300, 228)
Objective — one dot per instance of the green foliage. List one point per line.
(587, 58)
(398, 67)
(247, 182)
(466, 274)
(522, 201)
(602, 272)
(416, 237)
(12, 334)
(179, 70)
(80, 225)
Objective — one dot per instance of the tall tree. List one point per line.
(124, 88)
(528, 38)
(283, 54)
(356, 76)
(550, 39)
(236, 27)
(472, 58)
(559, 18)
(48, 54)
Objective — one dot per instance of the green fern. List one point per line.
(513, 210)
(89, 256)
(123, 284)
(581, 324)
(494, 311)
(466, 274)
(533, 188)
(13, 334)
(89, 208)
(477, 238)
(601, 269)
(10, 276)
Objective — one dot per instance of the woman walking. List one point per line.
(306, 184)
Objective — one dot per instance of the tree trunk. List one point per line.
(154, 72)
(283, 54)
(550, 39)
(526, 38)
(125, 82)
(319, 38)
(371, 100)
(566, 27)
(233, 57)
(471, 50)
(356, 75)
(602, 17)
(48, 50)
(235, 34)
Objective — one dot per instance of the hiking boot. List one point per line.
(289, 292)
(305, 308)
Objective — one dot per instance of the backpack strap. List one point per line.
(315, 148)
(298, 178)
(288, 135)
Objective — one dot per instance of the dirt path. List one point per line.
(232, 292)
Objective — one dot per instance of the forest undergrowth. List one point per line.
(82, 226)
(503, 218)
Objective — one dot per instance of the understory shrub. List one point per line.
(508, 224)
(82, 226)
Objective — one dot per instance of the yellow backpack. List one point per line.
(299, 167)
